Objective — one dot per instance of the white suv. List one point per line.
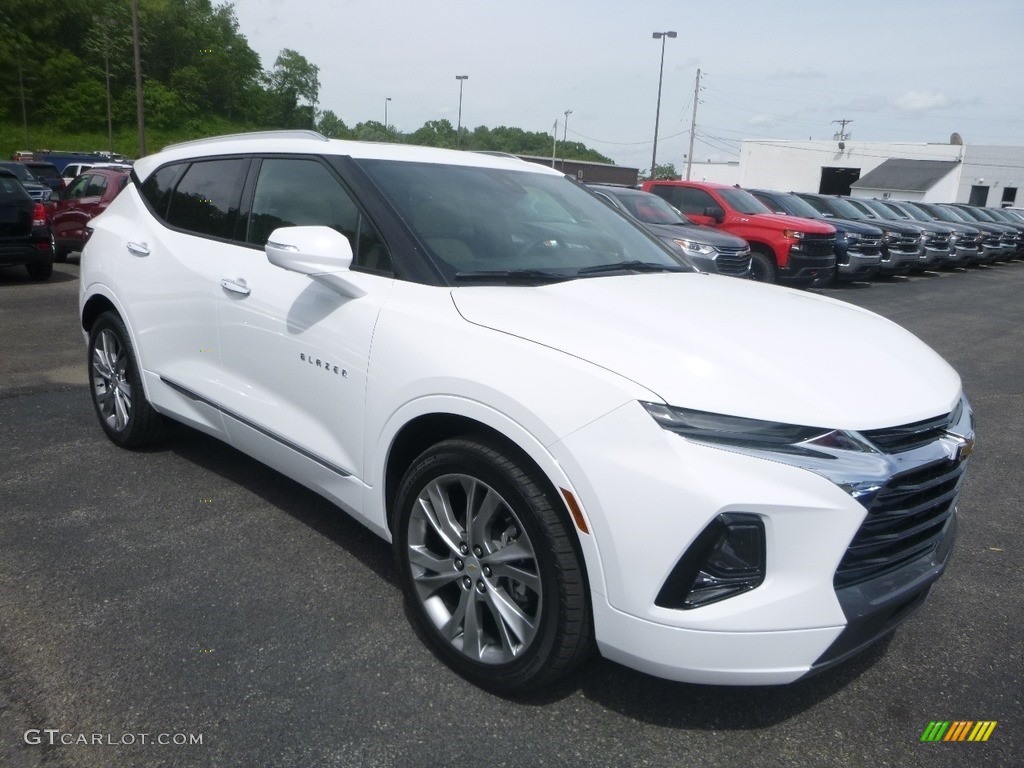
(569, 436)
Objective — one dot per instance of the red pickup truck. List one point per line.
(783, 248)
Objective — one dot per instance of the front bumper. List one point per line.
(897, 262)
(857, 265)
(646, 507)
(802, 269)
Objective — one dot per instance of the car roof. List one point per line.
(312, 143)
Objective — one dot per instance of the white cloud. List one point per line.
(921, 101)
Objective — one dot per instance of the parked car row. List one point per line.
(803, 239)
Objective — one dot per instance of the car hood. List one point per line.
(784, 221)
(696, 232)
(730, 346)
(855, 227)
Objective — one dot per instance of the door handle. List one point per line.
(233, 286)
(137, 249)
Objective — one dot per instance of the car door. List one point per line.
(171, 267)
(295, 351)
(70, 213)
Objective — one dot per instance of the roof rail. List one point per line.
(292, 134)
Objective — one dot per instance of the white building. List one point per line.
(956, 172)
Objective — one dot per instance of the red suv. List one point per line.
(783, 248)
(86, 197)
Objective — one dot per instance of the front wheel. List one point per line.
(762, 268)
(489, 567)
(117, 395)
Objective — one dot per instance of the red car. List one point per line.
(86, 197)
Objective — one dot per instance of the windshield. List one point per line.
(499, 224)
(939, 213)
(19, 170)
(844, 209)
(959, 215)
(743, 201)
(916, 213)
(797, 206)
(882, 211)
(648, 208)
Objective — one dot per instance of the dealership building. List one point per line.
(954, 172)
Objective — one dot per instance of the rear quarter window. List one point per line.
(207, 198)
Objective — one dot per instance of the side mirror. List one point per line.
(320, 252)
(715, 213)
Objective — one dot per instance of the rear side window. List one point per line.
(97, 186)
(206, 199)
(686, 199)
(157, 188)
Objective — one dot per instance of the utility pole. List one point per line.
(139, 104)
(554, 143)
(565, 128)
(693, 125)
(842, 135)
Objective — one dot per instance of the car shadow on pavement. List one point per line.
(633, 694)
(285, 494)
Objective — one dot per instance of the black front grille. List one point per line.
(905, 521)
(817, 245)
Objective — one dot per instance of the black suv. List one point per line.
(934, 237)
(24, 231)
(858, 245)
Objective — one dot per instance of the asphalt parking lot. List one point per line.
(188, 592)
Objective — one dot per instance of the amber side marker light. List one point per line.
(575, 511)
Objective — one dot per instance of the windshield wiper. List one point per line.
(513, 276)
(632, 266)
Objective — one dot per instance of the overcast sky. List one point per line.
(901, 70)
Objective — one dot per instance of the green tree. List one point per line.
(665, 172)
(333, 127)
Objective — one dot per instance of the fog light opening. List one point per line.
(725, 560)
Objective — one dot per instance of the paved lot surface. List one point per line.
(188, 591)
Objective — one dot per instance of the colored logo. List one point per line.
(959, 730)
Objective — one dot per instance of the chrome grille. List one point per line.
(733, 260)
(868, 244)
(910, 436)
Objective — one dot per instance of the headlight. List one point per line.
(846, 458)
(740, 432)
(692, 247)
(793, 233)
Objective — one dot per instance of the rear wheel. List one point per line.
(762, 267)
(489, 567)
(117, 395)
(40, 270)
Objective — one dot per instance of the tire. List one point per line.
(508, 624)
(116, 385)
(60, 254)
(40, 270)
(762, 268)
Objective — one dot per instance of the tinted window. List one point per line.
(207, 197)
(686, 199)
(157, 188)
(298, 192)
(77, 188)
(97, 186)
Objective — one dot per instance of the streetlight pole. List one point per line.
(140, 115)
(458, 131)
(657, 114)
(386, 100)
(565, 127)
